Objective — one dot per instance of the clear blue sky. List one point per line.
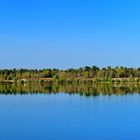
(69, 33)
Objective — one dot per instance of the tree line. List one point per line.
(84, 74)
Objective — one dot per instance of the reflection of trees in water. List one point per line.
(82, 89)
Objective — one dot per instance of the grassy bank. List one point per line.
(76, 80)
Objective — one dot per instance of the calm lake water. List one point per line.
(63, 116)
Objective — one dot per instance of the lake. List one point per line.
(69, 112)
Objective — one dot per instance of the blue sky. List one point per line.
(69, 33)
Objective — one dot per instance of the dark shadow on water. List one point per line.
(81, 89)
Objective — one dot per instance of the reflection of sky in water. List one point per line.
(61, 116)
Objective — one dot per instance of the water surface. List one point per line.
(69, 116)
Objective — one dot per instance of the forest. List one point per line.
(82, 74)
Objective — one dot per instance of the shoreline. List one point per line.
(76, 80)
